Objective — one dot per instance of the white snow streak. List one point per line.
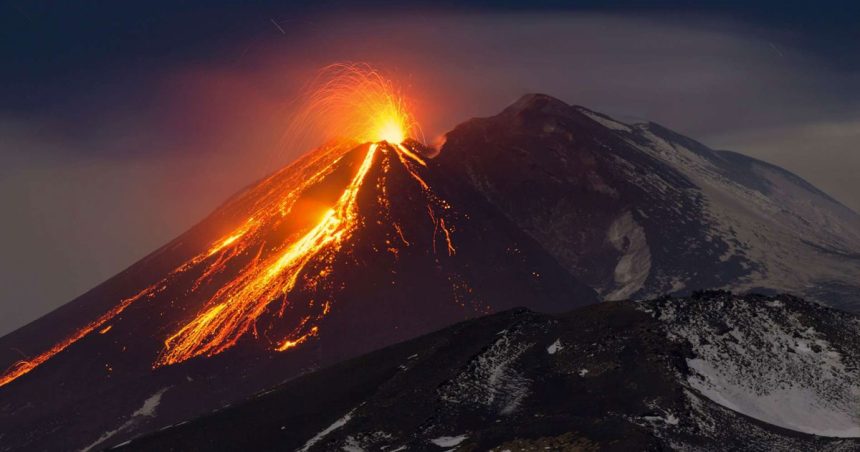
(449, 441)
(633, 268)
(605, 122)
(319, 436)
(146, 410)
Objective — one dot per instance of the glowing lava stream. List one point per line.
(24, 366)
(235, 308)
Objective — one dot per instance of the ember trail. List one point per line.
(352, 104)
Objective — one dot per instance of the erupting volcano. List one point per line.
(351, 99)
(374, 238)
(354, 246)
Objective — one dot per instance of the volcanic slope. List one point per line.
(638, 211)
(713, 371)
(349, 249)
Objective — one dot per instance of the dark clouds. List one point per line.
(122, 126)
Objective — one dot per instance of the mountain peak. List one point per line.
(537, 102)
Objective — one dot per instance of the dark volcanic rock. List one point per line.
(640, 211)
(662, 374)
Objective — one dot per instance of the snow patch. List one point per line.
(775, 365)
(449, 441)
(150, 405)
(794, 407)
(633, 268)
(490, 378)
(351, 445)
(555, 347)
(668, 419)
(605, 122)
(319, 436)
(775, 304)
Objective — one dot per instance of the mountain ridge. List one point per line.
(720, 207)
(572, 379)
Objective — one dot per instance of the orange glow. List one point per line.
(391, 131)
(24, 366)
(235, 308)
(451, 250)
(288, 344)
(356, 102)
(357, 105)
(403, 149)
(232, 238)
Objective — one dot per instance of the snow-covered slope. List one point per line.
(639, 211)
(799, 238)
(795, 366)
(713, 371)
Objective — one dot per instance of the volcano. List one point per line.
(357, 246)
(345, 251)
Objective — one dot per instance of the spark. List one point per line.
(354, 101)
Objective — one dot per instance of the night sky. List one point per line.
(124, 123)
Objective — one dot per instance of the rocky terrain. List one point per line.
(638, 211)
(713, 371)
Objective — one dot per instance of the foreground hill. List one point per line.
(713, 371)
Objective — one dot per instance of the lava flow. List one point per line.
(352, 104)
(236, 307)
(24, 366)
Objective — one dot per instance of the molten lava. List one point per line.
(354, 104)
(235, 308)
(24, 366)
